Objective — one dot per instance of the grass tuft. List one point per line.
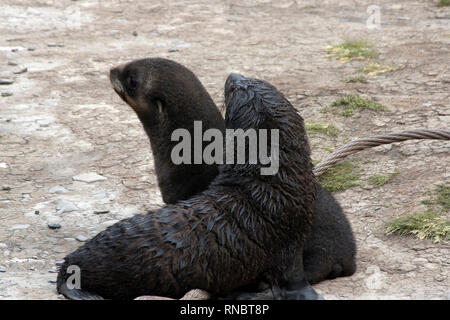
(324, 128)
(341, 176)
(374, 69)
(352, 50)
(444, 3)
(380, 179)
(358, 79)
(347, 105)
(429, 224)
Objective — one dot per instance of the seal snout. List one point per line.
(115, 82)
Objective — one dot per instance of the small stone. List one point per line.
(69, 239)
(89, 177)
(36, 212)
(53, 44)
(440, 277)
(7, 93)
(31, 48)
(5, 187)
(403, 18)
(81, 238)
(419, 260)
(101, 211)
(53, 225)
(52, 281)
(12, 63)
(135, 33)
(6, 81)
(58, 190)
(59, 262)
(53, 271)
(377, 208)
(19, 227)
(173, 50)
(44, 124)
(3, 165)
(65, 206)
(20, 70)
(428, 104)
(2, 269)
(14, 49)
(101, 195)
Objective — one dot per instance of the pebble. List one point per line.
(54, 225)
(20, 70)
(101, 195)
(69, 239)
(3, 245)
(31, 48)
(12, 63)
(419, 260)
(440, 277)
(65, 206)
(135, 33)
(19, 227)
(5, 187)
(377, 208)
(7, 93)
(36, 212)
(2, 269)
(101, 211)
(53, 271)
(427, 104)
(53, 44)
(59, 262)
(81, 238)
(5, 81)
(3, 165)
(52, 281)
(58, 190)
(173, 50)
(89, 177)
(44, 124)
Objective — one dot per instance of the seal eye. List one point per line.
(132, 81)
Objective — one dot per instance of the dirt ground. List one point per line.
(64, 120)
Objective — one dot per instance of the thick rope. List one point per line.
(336, 156)
(370, 142)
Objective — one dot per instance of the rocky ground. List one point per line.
(74, 158)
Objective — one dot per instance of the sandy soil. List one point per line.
(64, 119)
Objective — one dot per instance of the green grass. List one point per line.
(374, 69)
(347, 105)
(430, 224)
(444, 3)
(380, 179)
(341, 176)
(358, 79)
(324, 128)
(443, 198)
(352, 50)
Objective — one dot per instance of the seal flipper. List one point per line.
(77, 294)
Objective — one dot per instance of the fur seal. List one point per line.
(173, 97)
(242, 227)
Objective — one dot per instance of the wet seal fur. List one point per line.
(166, 95)
(243, 227)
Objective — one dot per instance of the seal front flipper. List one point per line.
(77, 294)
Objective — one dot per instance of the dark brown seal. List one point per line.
(169, 97)
(245, 226)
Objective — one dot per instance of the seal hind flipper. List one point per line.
(77, 294)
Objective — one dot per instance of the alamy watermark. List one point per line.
(250, 146)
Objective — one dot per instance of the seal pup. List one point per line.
(244, 226)
(166, 96)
